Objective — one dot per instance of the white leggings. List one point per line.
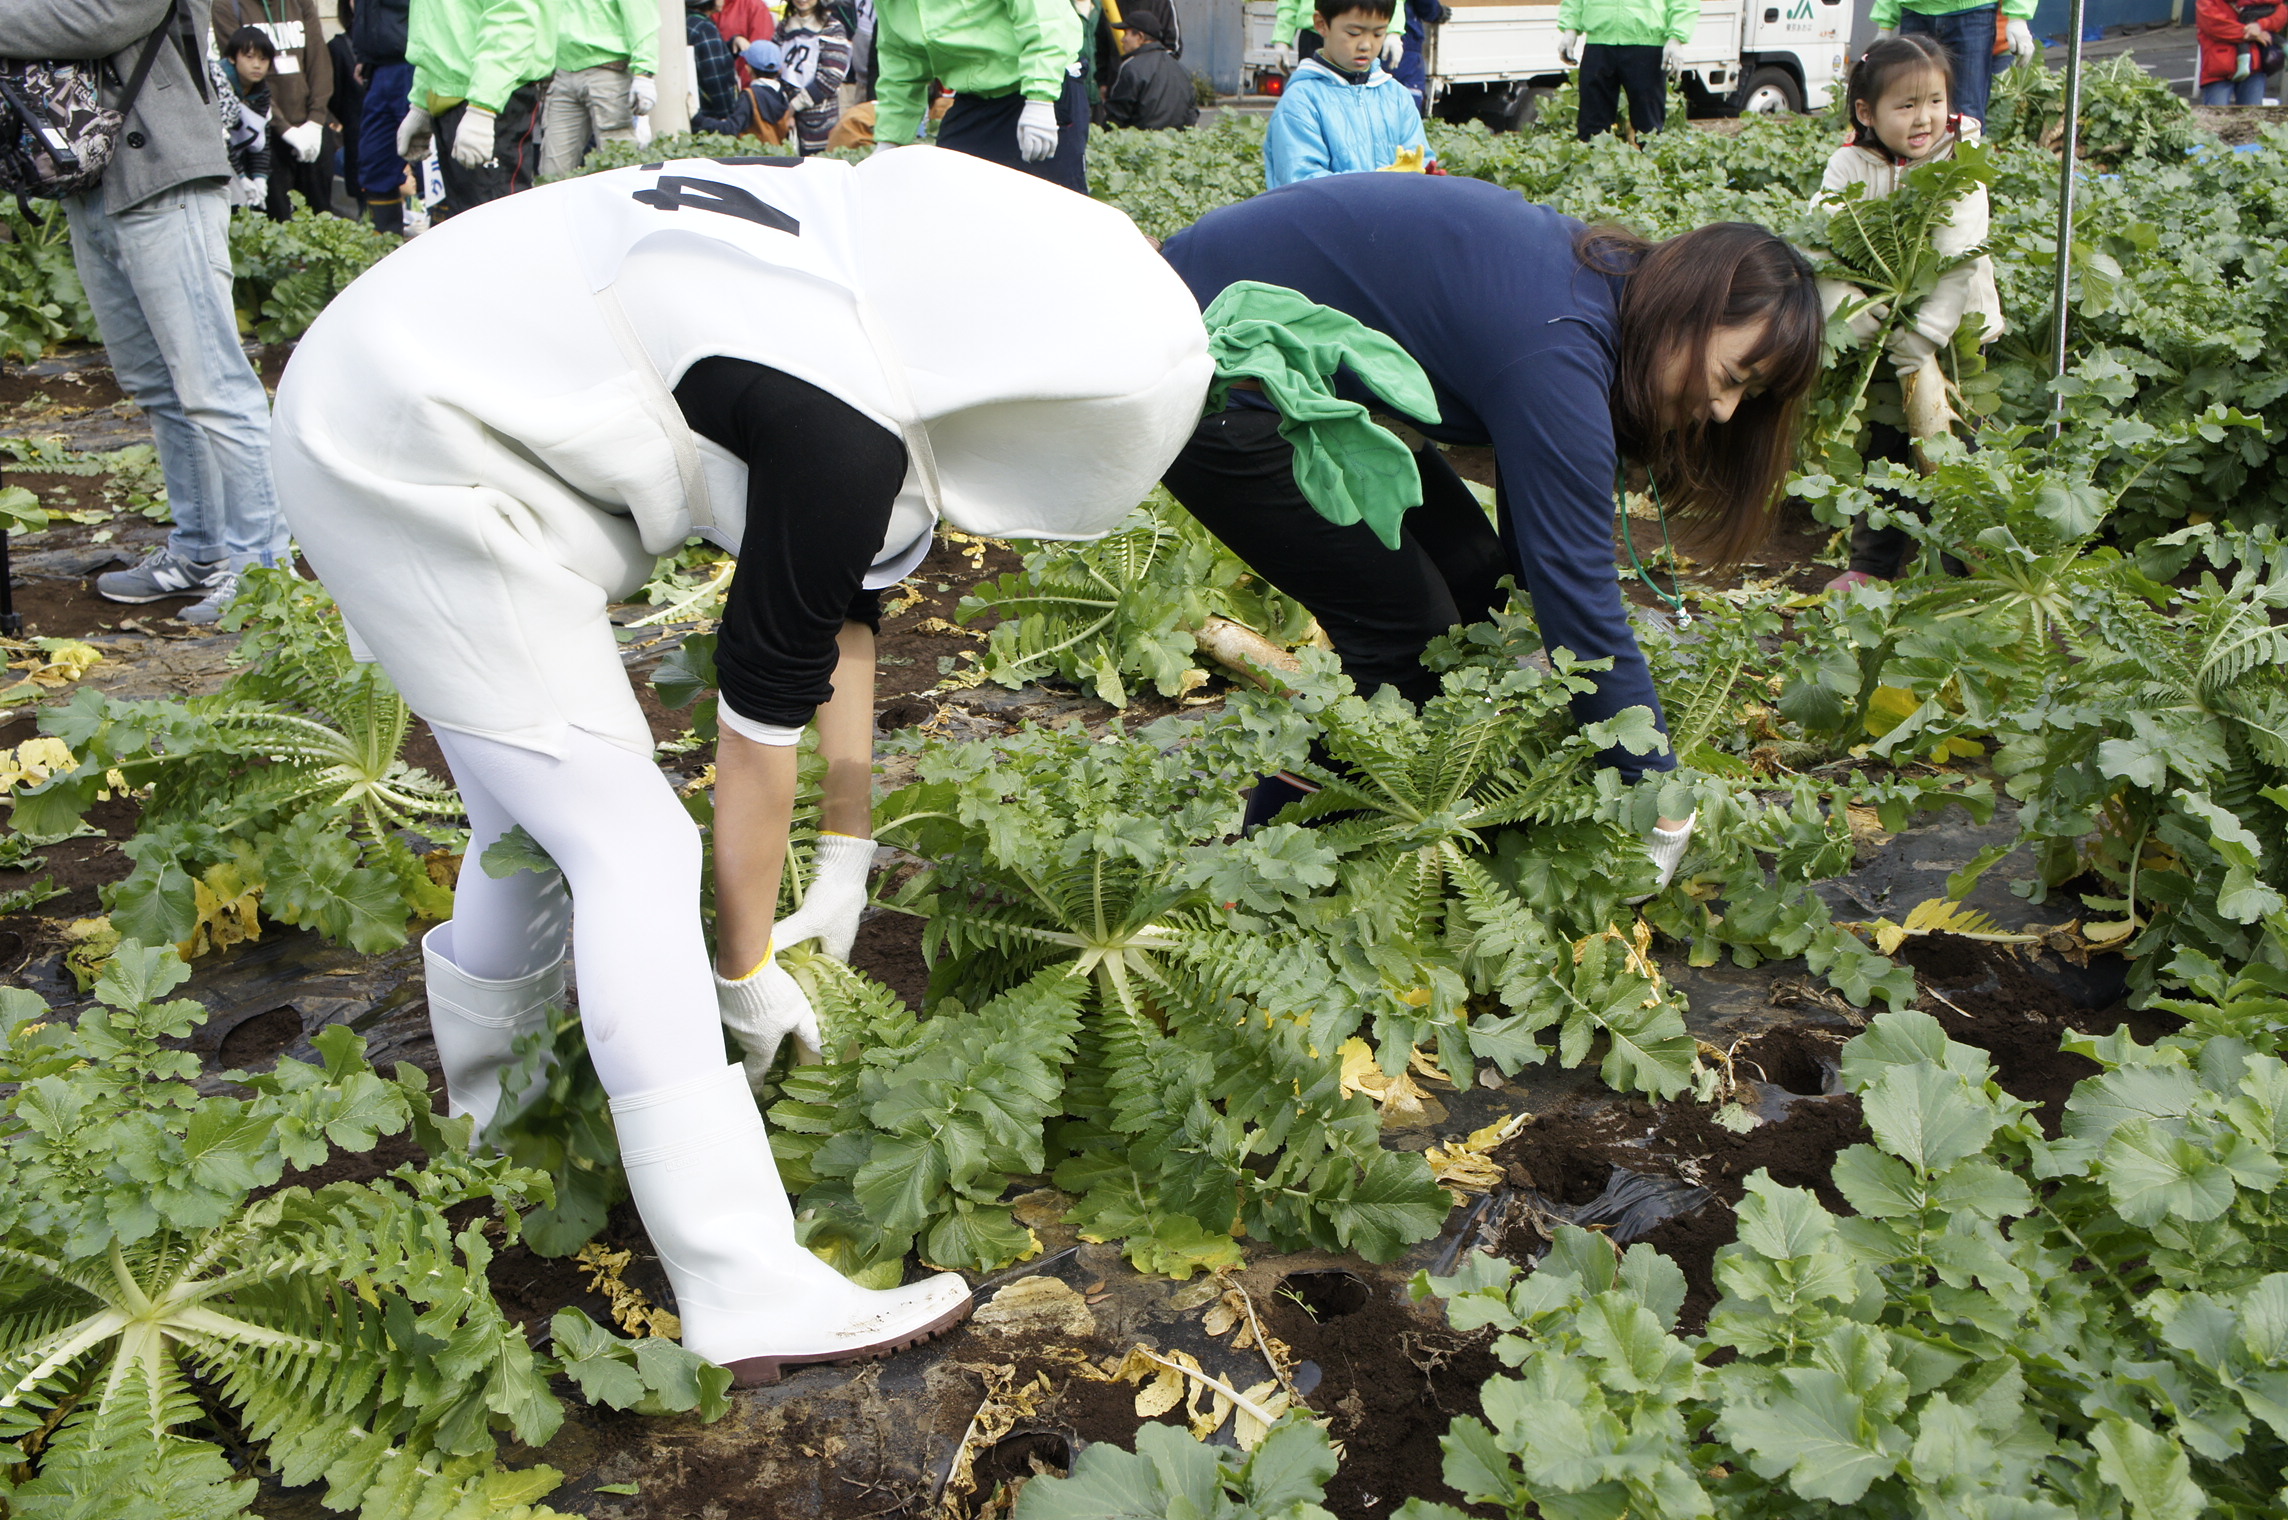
(630, 856)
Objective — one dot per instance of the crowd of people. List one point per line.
(512, 92)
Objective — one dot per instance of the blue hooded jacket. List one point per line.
(1327, 124)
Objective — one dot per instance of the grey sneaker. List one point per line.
(162, 574)
(210, 608)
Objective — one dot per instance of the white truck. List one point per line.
(1496, 60)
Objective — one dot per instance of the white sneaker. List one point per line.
(475, 1022)
(208, 610)
(751, 1296)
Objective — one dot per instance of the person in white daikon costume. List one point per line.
(492, 435)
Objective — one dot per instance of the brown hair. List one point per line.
(1880, 67)
(1724, 476)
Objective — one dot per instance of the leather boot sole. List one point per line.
(763, 1371)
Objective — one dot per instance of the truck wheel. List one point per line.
(1770, 91)
(1524, 108)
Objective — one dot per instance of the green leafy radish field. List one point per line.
(1914, 1153)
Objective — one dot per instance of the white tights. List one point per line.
(630, 856)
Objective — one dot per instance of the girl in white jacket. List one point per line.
(1900, 100)
(493, 434)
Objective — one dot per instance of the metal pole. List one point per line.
(2066, 213)
(11, 621)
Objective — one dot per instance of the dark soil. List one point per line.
(1564, 1161)
(1989, 996)
(1392, 1380)
(889, 949)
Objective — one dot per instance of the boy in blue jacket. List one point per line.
(1343, 111)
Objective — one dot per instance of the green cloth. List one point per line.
(1348, 467)
(480, 51)
(973, 47)
(1630, 23)
(1886, 12)
(592, 32)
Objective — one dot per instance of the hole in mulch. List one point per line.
(1024, 1454)
(1788, 1060)
(1327, 1295)
(261, 1040)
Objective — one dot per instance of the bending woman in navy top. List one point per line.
(1568, 350)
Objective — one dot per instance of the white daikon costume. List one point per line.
(478, 448)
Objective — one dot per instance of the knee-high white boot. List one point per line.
(476, 1020)
(752, 1297)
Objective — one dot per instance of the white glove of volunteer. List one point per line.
(473, 140)
(1885, 33)
(2022, 44)
(642, 94)
(1037, 130)
(305, 140)
(837, 896)
(1393, 48)
(249, 190)
(1672, 58)
(413, 135)
(1666, 847)
(1569, 46)
(761, 1009)
(881, 148)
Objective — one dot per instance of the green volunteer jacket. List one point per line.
(478, 50)
(976, 47)
(1630, 23)
(1886, 12)
(592, 32)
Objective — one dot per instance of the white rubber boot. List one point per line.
(752, 1297)
(476, 1021)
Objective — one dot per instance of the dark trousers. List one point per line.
(1380, 607)
(1969, 37)
(1606, 70)
(516, 153)
(1882, 552)
(380, 172)
(986, 127)
(288, 174)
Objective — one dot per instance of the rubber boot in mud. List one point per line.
(477, 1022)
(752, 1298)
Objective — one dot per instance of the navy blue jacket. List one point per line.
(1521, 344)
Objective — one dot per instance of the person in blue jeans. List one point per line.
(377, 36)
(152, 247)
(1966, 30)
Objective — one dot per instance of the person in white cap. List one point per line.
(492, 435)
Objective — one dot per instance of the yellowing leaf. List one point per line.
(33, 762)
(1937, 915)
(2110, 932)
(1889, 707)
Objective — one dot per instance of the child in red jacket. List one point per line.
(2240, 44)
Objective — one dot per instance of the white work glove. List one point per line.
(881, 148)
(1885, 33)
(413, 135)
(1037, 130)
(800, 100)
(2021, 38)
(305, 140)
(473, 140)
(1666, 847)
(250, 190)
(837, 896)
(761, 1009)
(1672, 58)
(1393, 49)
(642, 94)
(1569, 47)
